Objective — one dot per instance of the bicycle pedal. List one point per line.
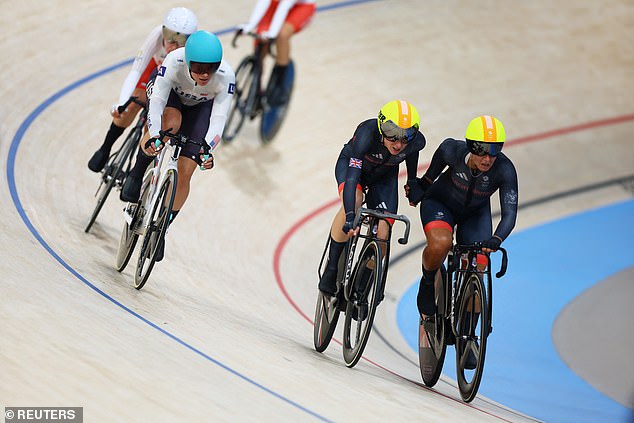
(128, 212)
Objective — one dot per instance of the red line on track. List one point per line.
(293, 229)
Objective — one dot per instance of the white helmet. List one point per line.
(181, 20)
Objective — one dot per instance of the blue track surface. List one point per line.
(549, 266)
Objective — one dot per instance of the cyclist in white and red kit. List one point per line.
(177, 25)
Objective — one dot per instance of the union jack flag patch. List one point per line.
(355, 163)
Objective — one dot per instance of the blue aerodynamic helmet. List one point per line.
(203, 47)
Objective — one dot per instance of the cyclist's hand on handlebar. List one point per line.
(266, 35)
(153, 146)
(348, 227)
(491, 245)
(114, 112)
(206, 159)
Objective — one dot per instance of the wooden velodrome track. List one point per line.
(222, 331)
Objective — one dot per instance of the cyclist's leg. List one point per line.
(193, 121)
(473, 228)
(171, 119)
(338, 238)
(383, 196)
(118, 125)
(298, 17)
(438, 225)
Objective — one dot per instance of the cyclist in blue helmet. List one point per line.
(190, 93)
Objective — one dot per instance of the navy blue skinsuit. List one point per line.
(365, 161)
(461, 196)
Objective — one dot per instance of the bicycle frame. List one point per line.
(462, 266)
(370, 218)
(167, 159)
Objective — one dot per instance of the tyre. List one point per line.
(157, 227)
(114, 172)
(472, 331)
(239, 103)
(326, 317)
(366, 282)
(432, 337)
(273, 117)
(129, 233)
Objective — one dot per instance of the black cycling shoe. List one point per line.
(470, 362)
(98, 160)
(277, 97)
(328, 282)
(426, 299)
(160, 250)
(360, 312)
(131, 189)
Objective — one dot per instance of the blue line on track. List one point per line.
(13, 150)
(549, 266)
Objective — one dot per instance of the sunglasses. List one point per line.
(202, 68)
(174, 37)
(481, 149)
(403, 141)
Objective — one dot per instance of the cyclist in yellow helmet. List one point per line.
(459, 198)
(368, 165)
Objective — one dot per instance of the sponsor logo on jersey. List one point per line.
(355, 163)
(161, 71)
(511, 197)
(199, 98)
(463, 176)
(232, 88)
(378, 156)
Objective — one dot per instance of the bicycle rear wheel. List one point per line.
(239, 104)
(273, 116)
(114, 172)
(367, 278)
(473, 330)
(157, 227)
(326, 317)
(432, 340)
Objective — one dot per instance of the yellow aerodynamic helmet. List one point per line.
(485, 135)
(398, 120)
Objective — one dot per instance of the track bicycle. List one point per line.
(119, 163)
(464, 302)
(361, 281)
(150, 218)
(250, 100)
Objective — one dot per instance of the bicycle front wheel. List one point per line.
(157, 227)
(129, 233)
(472, 332)
(366, 278)
(432, 341)
(239, 103)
